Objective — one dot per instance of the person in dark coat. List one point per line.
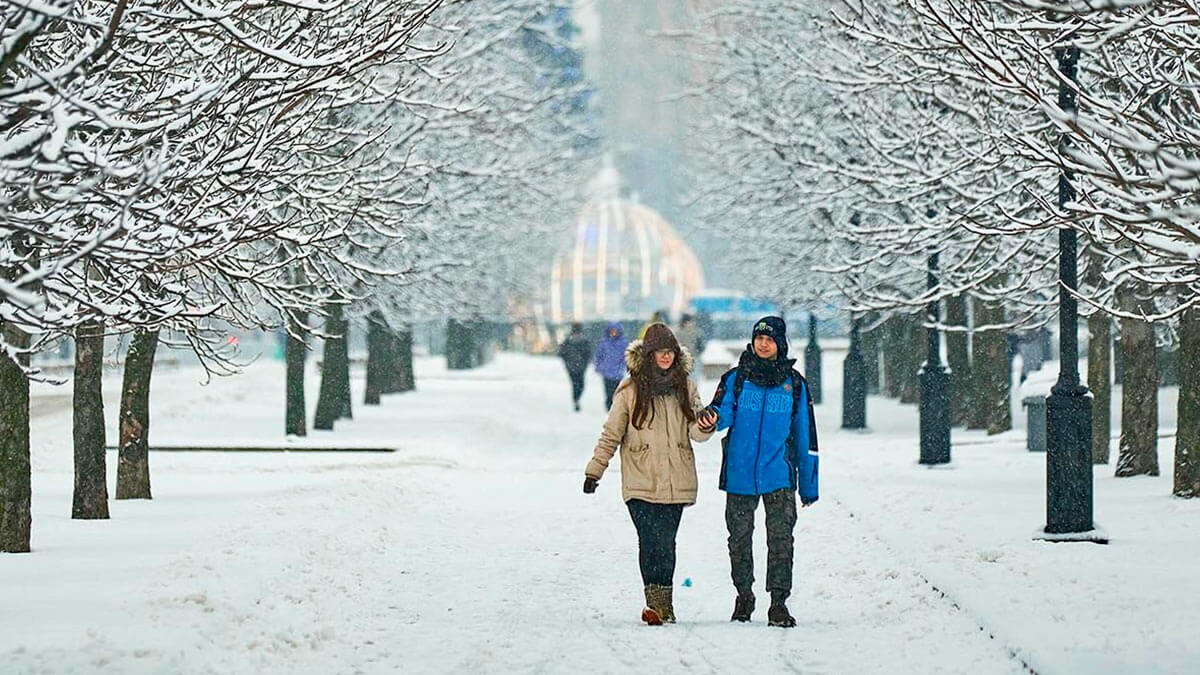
(610, 360)
(689, 337)
(576, 353)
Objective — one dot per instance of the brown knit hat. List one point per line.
(659, 336)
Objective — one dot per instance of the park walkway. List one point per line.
(472, 549)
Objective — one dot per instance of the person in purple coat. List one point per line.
(610, 360)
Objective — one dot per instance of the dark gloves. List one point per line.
(806, 501)
(589, 485)
(706, 420)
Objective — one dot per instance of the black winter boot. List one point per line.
(743, 607)
(778, 614)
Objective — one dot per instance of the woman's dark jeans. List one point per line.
(656, 526)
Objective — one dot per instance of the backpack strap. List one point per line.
(739, 381)
(797, 381)
(793, 451)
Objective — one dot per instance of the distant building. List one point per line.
(625, 261)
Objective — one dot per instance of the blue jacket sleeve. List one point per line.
(804, 430)
(722, 400)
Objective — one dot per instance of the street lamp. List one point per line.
(1069, 406)
(935, 384)
(854, 381)
(812, 360)
(854, 371)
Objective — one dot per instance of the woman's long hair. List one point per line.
(643, 378)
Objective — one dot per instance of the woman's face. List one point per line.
(664, 358)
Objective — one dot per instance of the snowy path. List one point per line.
(471, 549)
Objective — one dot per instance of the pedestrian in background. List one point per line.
(689, 339)
(657, 316)
(610, 360)
(576, 353)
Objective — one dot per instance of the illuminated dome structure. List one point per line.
(625, 262)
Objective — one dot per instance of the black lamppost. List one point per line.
(854, 382)
(812, 360)
(1069, 406)
(854, 369)
(935, 386)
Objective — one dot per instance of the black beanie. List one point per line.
(775, 327)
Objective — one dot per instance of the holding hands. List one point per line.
(707, 420)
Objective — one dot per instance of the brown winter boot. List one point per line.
(655, 610)
(668, 596)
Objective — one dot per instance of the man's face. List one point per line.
(765, 347)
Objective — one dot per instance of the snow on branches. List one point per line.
(171, 164)
(875, 115)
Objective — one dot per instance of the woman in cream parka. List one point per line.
(656, 414)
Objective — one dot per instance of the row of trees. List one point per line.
(860, 138)
(183, 168)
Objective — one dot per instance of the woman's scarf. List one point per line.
(662, 382)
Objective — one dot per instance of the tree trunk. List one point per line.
(397, 376)
(959, 358)
(295, 353)
(870, 352)
(900, 360)
(333, 366)
(392, 376)
(1118, 360)
(405, 376)
(90, 500)
(463, 347)
(133, 467)
(1100, 383)
(455, 345)
(379, 358)
(1187, 438)
(915, 341)
(346, 409)
(976, 417)
(991, 372)
(891, 367)
(1138, 452)
(15, 477)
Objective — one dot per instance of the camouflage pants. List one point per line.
(781, 521)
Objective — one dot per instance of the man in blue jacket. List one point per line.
(769, 452)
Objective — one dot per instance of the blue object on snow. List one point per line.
(687, 582)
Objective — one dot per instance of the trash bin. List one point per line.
(1036, 405)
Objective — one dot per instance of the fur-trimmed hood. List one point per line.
(635, 357)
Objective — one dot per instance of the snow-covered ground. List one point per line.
(472, 549)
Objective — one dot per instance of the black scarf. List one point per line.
(762, 372)
(662, 382)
